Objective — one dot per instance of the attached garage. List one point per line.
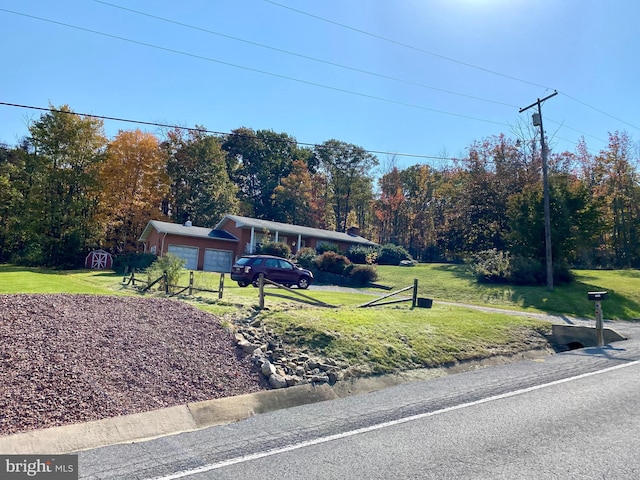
(189, 254)
(217, 260)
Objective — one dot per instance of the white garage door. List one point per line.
(189, 254)
(217, 260)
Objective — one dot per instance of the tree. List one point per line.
(69, 150)
(294, 199)
(616, 185)
(258, 161)
(13, 191)
(349, 172)
(201, 190)
(134, 183)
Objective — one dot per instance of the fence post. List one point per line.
(191, 283)
(261, 290)
(221, 286)
(414, 300)
(165, 279)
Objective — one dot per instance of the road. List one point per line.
(571, 415)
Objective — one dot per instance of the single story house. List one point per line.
(215, 249)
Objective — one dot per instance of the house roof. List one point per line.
(247, 222)
(185, 230)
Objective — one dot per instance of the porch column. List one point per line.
(299, 243)
(252, 240)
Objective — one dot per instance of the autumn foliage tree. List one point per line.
(134, 183)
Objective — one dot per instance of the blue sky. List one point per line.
(425, 77)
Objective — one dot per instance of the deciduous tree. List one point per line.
(134, 183)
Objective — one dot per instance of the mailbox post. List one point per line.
(598, 297)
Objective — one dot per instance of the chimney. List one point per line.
(353, 231)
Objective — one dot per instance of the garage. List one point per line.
(217, 260)
(189, 254)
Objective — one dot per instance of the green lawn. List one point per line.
(455, 283)
(383, 338)
(15, 279)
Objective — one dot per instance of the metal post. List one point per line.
(221, 286)
(599, 324)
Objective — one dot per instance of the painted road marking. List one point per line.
(330, 438)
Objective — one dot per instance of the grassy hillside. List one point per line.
(455, 283)
(383, 338)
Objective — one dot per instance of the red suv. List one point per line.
(247, 269)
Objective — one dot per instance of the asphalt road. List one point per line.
(570, 415)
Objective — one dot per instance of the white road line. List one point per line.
(330, 438)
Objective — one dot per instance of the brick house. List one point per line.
(215, 249)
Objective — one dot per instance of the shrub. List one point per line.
(327, 247)
(391, 254)
(492, 266)
(362, 254)
(305, 257)
(277, 249)
(331, 262)
(363, 274)
(132, 261)
(170, 263)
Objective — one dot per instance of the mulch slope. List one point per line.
(74, 358)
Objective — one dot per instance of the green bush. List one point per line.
(305, 257)
(362, 254)
(170, 263)
(492, 266)
(327, 247)
(332, 262)
(132, 261)
(277, 249)
(391, 254)
(363, 274)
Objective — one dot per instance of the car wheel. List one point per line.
(243, 284)
(303, 282)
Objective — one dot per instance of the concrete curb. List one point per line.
(157, 423)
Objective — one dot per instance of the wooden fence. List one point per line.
(415, 300)
(166, 286)
(298, 297)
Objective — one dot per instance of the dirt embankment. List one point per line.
(75, 358)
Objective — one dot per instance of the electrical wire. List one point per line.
(255, 70)
(307, 57)
(450, 59)
(411, 47)
(204, 130)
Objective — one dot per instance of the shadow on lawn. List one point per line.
(568, 299)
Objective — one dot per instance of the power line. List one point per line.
(450, 59)
(204, 130)
(406, 45)
(255, 70)
(307, 57)
(598, 110)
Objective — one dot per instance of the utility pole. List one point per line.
(537, 121)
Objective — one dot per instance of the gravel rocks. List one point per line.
(75, 358)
